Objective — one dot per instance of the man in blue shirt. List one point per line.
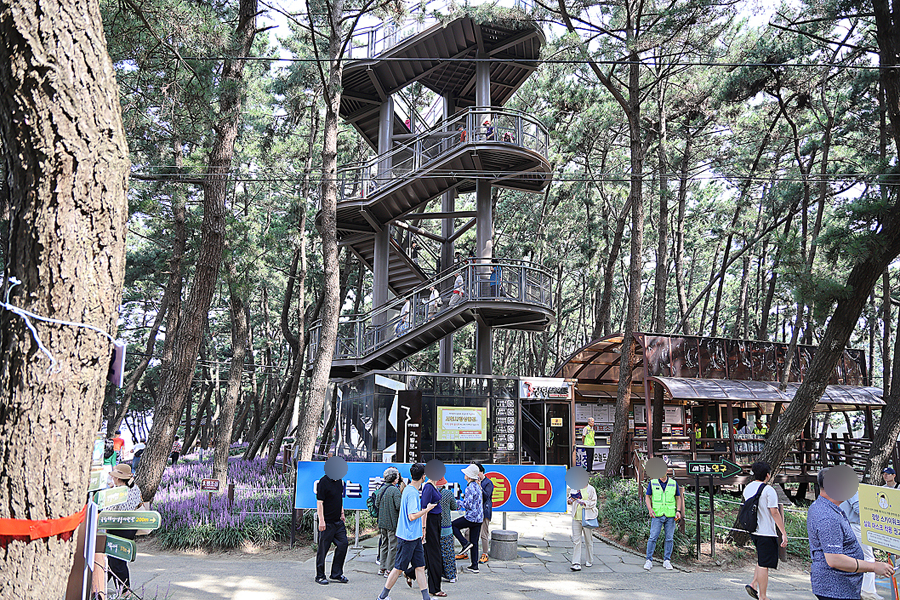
(837, 558)
(850, 508)
(410, 552)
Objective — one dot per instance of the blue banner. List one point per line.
(517, 488)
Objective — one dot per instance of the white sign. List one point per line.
(674, 415)
(543, 388)
(583, 412)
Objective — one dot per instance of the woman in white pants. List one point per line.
(584, 507)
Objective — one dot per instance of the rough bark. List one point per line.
(175, 389)
(66, 165)
(662, 251)
(239, 337)
(308, 427)
(679, 230)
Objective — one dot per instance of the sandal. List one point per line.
(439, 595)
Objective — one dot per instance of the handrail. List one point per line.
(369, 42)
(499, 280)
(475, 125)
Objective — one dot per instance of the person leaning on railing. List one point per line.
(458, 290)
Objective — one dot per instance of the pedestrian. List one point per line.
(332, 530)
(387, 500)
(118, 444)
(890, 478)
(432, 304)
(587, 434)
(473, 504)
(456, 295)
(403, 323)
(410, 553)
(666, 505)
(838, 561)
(584, 508)
(434, 566)
(742, 428)
(768, 517)
(760, 427)
(138, 451)
(487, 494)
(176, 451)
(488, 130)
(118, 568)
(448, 553)
(495, 279)
(850, 508)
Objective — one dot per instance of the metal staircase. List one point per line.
(465, 142)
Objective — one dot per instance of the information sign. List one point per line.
(879, 517)
(723, 468)
(120, 548)
(129, 519)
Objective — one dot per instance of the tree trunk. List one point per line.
(603, 326)
(175, 390)
(679, 231)
(662, 252)
(66, 171)
(884, 247)
(308, 428)
(888, 426)
(239, 337)
(615, 460)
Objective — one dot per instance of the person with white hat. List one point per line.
(473, 505)
(122, 475)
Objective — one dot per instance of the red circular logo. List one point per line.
(502, 488)
(534, 490)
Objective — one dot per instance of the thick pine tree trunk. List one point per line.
(66, 163)
(308, 427)
(176, 387)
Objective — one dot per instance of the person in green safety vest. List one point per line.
(666, 505)
(588, 433)
(760, 428)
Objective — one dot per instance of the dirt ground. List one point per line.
(303, 549)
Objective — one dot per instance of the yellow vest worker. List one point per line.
(665, 503)
(588, 434)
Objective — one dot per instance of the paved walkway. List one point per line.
(540, 573)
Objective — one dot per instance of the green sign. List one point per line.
(112, 496)
(120, 548)
(129, 519)
(98, 480)
(723, 468)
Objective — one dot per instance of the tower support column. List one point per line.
(382, 238)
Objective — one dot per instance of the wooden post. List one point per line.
(782, 552)
(730, 432)
(230, 495)
(712, 520)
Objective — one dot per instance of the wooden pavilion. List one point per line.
(685, 382)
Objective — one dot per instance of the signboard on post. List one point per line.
(129, 519)
(209, 485)
(517, 488)
(879, 517)
(592, 458)
(722, 468)
(461, 424)
(112, 496)
(120, 548)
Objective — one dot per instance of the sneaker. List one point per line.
(462, 556)
(387, 573)
(589, 564)
(648, 565)
(321, 581)
(575, 567)
(471, 570)
(452, 580)
(340, 579)
(378, 597)
(667, 565)
(871, 596)
(381, 571)
(484, 558)
(377, 562)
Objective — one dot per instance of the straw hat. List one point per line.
(122, 472)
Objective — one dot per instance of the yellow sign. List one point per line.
(879, 517)
(555, 421)
(459, 423)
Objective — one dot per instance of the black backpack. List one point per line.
(749, 512)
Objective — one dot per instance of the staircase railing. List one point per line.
(422, 250)
(532, 436)
(499, 280)
(500, 126)
(369, 42)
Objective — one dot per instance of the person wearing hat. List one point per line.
(488, 130)
(122, 475)
(472, 503)
(890, 478)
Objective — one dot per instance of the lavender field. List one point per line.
(261, 512)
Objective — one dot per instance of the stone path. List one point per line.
(541, 572)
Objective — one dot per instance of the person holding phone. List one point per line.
(584, 508)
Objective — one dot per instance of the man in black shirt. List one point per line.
(330, 510)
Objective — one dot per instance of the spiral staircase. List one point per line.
(466, 142)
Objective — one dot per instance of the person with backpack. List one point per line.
(760, 516)
(666, 505)
(387, 511)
